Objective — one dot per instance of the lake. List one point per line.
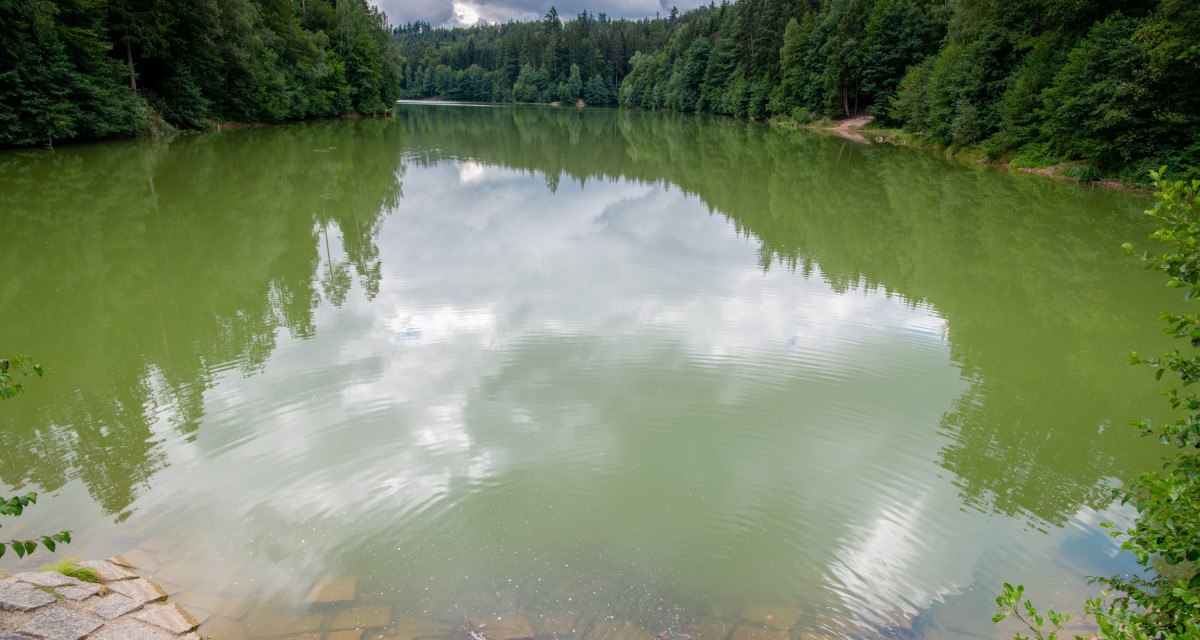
(603, 374)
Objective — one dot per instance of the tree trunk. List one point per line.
(129, 61)
(846, 100)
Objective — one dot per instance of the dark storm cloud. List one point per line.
(460, 12)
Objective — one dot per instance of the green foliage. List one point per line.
(69, 567)
(1082, 173)
(1164, 599)
(56, 82)
(1009, 603)
(16, 505)
(23, 365)
(88, 69)
(1106, 88)
(1107, 85)
(1092, 106)
(536, 61)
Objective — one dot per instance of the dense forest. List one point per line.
(88, 69)
(1108, 84)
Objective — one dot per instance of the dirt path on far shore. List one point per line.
(857, 122)
(848, 128)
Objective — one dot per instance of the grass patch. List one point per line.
(69, 568)
(1080, 172)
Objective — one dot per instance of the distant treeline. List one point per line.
(1113, 85)
(87, 69)
(539, 61)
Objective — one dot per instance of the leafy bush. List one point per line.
(1164, 601)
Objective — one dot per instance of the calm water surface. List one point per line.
(596, 366)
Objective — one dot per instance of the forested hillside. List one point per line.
(1110, 85)
(87, 69)
(542, 61)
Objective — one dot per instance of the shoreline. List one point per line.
(856, 129)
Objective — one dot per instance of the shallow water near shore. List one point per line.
(628, 372)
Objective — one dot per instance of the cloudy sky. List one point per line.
(465, 12)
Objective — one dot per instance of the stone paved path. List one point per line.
(45, 605)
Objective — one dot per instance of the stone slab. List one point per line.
(4, 635)
(44, 578)
(222, 629)
(618, 630)
(198, 613)
(171, 617)
(559, 624)
(61, 623)
(336, 589)
(228, 605)
(136, 559)
(181, 572)
(159, 544)
(139, 590)
(258, 626)
(345, 634)
(107, 571)
(406, 627)
(113, 605)
(509, 626)
(364, 617)
(132, 630)
(80, 591)
(19, 596)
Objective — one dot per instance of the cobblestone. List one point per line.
(81, 591)
(45, 605)
(171, 617)
(61, 623)
(113, 606)
(45, 578)
(132, 630)
(17, 596)
(139, 590)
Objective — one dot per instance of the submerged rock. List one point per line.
(709, 629)
(335, 589)
(363, 617)
(618, 630)
(772, 616)
(746, 632)
(406, 627)
(559, 625)
(510, 626)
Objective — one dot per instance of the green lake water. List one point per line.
(603, 366)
